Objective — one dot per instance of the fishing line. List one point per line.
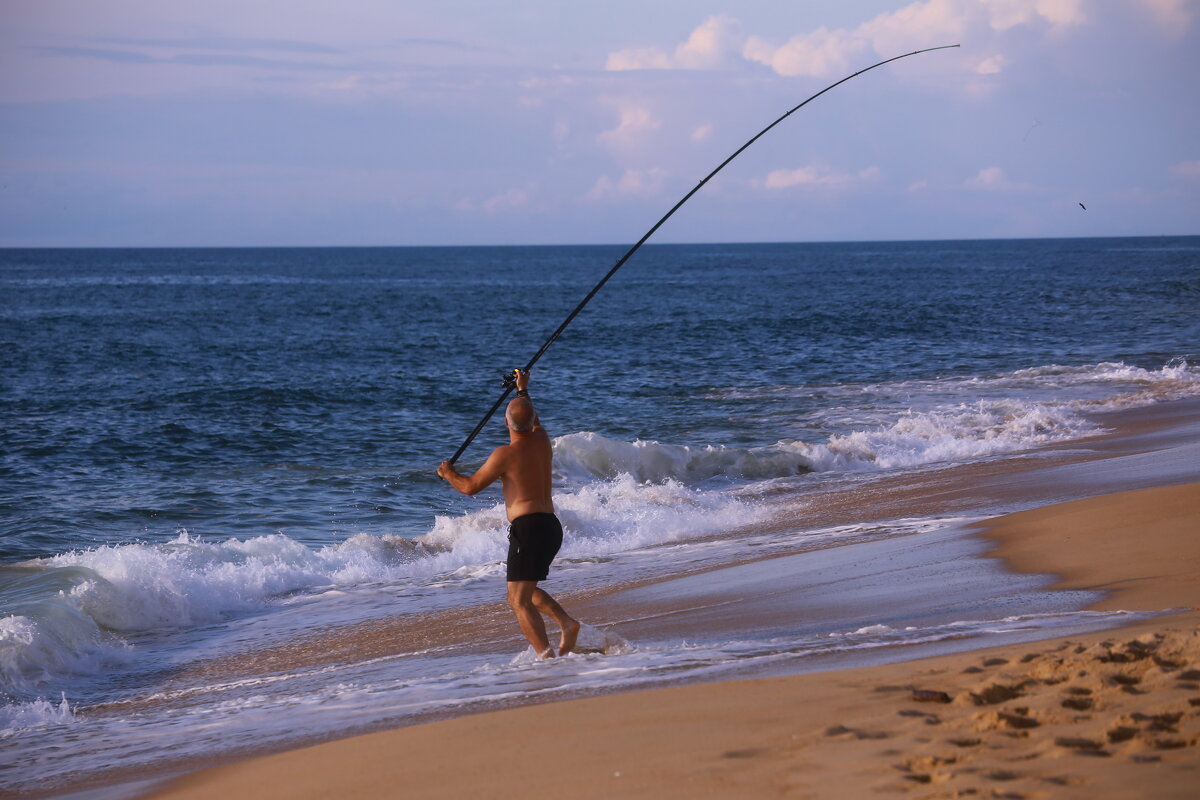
(509, 382)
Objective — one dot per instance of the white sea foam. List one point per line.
(584, 456)
(17, 717)
(953, 433)
(189, 581)
(911, 423)
(600, 518)
(1083, 384)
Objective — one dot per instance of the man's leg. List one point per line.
(520, 599)
(566, 623)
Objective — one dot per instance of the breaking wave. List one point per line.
(87, 599)
(918, 423)
(959, 433)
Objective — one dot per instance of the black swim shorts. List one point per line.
(533, 541)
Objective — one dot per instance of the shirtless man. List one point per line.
(534, 533)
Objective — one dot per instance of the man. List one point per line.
(534, 532)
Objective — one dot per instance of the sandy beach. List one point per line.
(1109, 714)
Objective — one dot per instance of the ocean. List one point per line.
(213, 455)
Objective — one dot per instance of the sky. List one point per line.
(466, 122)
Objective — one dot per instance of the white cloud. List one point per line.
(1186, 169)
(634, 122)
(562, 129)
(711, 45)
(642, 58)
(1174, 14)
(990, 179)
(715, 43)
(815, 175)
(821, 52)
(703, 132)
(1005, 14)
(917, 186)
(498, 203)
(720, 41)
(991, 66)
(513, 198)
(924, 24)
(633, 183)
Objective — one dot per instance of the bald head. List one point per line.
(520, 415)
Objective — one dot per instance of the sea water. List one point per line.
(212, 452)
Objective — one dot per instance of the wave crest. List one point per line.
(957, 433)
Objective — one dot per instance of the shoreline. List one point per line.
(854, 732)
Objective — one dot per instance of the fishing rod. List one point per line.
(510, 380)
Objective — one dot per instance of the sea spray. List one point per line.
(16, 718)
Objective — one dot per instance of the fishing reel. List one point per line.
(510, 379)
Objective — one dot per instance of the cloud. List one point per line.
(1005, 14)
(1174, 14)
(237, 44)
(513, 198)
(443, 44)
(498, 203)
(210, 59)
(633, 183)
(990, 179)
(991, 66)
(643, 58)
(815, 175)
(703, 132)
(923, 24)
(917, 186)
(635, 121)
(1186, 169)
(821, 52)
(715, 43)
(720, 41)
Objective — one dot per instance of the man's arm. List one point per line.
(484, 477)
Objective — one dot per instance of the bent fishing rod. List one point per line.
(509, 379)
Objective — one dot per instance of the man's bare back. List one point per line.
(525, 473)
(522, 465)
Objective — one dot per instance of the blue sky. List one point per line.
(373, 122)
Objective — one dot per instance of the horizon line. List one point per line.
(4, 247)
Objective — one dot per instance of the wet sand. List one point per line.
(1108, 714)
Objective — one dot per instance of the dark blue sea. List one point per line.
(197, 440)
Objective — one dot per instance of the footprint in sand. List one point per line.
(1083, 746)
(1079, 703)
(965, 742)
(1121, 733)
(842, 730)
(747, 753)
(997, 693)
(1002, 775)
(997, 720)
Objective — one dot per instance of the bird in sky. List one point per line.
(1081, 205)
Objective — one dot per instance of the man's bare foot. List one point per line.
(570, 632)
(546, 654)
